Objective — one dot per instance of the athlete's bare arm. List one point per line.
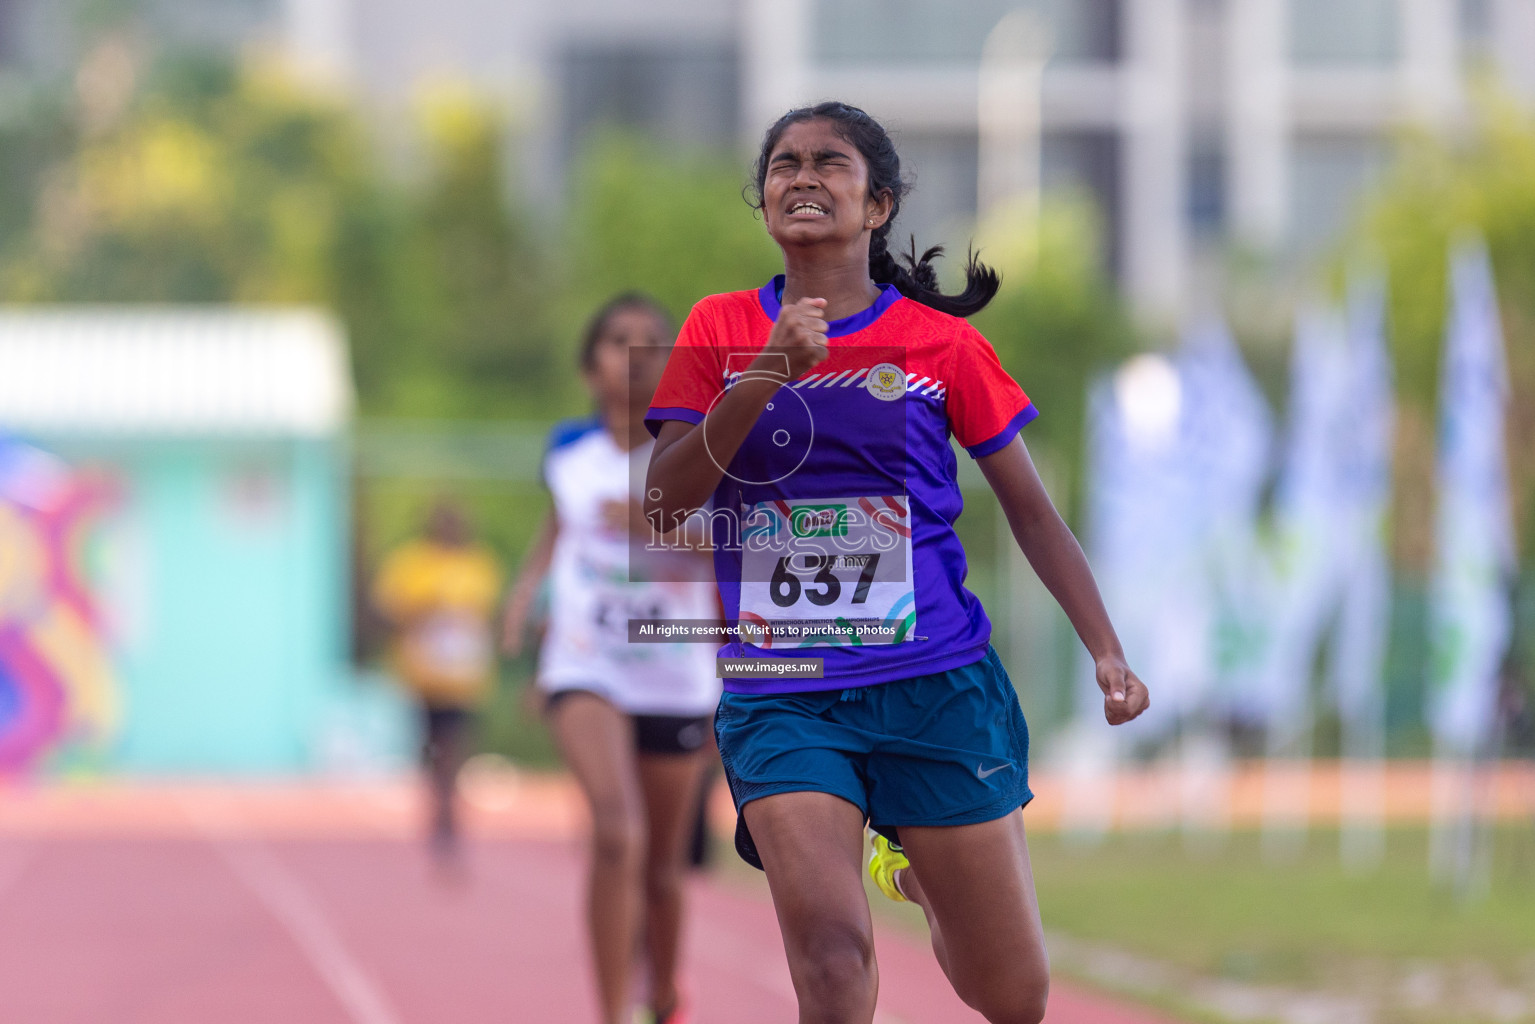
(519, 599)
(684, 471)
(1057, 558)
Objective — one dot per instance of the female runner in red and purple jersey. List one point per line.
(815, 414)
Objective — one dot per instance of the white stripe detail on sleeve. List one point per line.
(831, 381)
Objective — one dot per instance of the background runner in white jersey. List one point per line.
(632, 720)
(595, 587)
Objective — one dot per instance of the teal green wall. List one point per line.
(232, 560)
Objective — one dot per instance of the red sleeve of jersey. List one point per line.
(986, 406)
(693, 377)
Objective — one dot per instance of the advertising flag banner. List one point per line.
(1367, 422)
(1307, 555)
(1227, 441)
(1470, 613)
(1364, 618)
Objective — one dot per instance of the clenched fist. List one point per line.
(1124, 695)
(798, 341)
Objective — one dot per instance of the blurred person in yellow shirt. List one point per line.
(439, 593)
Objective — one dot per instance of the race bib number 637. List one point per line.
(827, 572)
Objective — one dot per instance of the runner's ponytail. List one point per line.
(916, 278)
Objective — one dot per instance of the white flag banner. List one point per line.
(1306, 564)
(1306, 574)
(1364, 619)
(1328, 558)
(1144, 535)
(1367, 422)
(1085, 754)
(1228, 439)
(1178, 456)
(1144, 547)
(1469, 612)
(1227, 443)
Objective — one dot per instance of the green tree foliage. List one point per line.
(670, 223)
(1480, 180)
(1056, 324)
(478, 336)
(207, 186)
(215, 183)
(36, 130)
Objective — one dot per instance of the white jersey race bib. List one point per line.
(819, 572)
(613, 606)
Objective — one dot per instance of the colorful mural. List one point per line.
(58, 695)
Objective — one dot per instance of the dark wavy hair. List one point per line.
(914, 276)
(598, 325)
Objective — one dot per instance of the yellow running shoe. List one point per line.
(681, 1013)
(884, 862)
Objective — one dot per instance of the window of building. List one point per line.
(943, 170)
(1329, 177)
(1206, 187)
(680, 92)
(1087, 162)
(9, 50)
(1476, 28)
(1345, 31)
(888, 31)
(220, 24)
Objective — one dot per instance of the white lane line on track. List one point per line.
(292, 906)
(727, 951)
(285, 899)
(14, 861)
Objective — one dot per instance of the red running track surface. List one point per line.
(251, 930)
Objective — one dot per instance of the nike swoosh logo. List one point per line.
(985, 773)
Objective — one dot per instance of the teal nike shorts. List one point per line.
(950, 748)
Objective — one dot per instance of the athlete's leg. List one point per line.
(670, 783)
(975, 884)
(597, 743)
(700, 853)
(812, 849)
(445, 750)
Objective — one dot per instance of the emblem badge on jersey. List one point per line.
(886, 382)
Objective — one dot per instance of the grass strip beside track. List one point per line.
(1232, 912)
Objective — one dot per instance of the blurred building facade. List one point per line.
(1193, 124)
